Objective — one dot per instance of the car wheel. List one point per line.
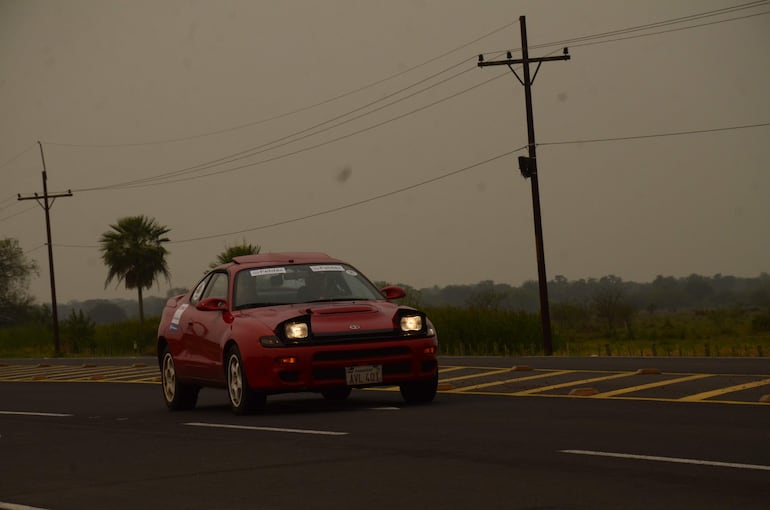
(340, 393)
(243, 400)
(178, 396)
(420, 392)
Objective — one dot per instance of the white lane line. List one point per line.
(11, 506)
(27, 413)
(676, 460)
(384, 408)
(267, 429)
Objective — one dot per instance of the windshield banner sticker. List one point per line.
(328, 267)
(267, 270)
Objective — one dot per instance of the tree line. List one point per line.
(609, 298)
(665, 293)
(134, 254)
(610, 306)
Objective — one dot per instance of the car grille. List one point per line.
(344, 337)
(361, 354)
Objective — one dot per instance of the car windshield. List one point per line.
(300, 283)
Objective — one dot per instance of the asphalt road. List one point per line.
(101, 444)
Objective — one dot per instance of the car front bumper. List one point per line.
(319, 367)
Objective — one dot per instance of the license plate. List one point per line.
(363, 374)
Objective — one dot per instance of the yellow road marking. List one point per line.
(462, 377)
(656, 384)
(149, 374)
(515, 379)
(30, 370)
(470, 366)
(444, 370)
(108, 371)
(574, 383)
(75, 373)
(722, 391)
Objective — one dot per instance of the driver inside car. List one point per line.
(315, 288)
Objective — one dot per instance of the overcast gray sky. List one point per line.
(340, 102)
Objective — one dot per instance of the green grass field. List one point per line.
(468, 332)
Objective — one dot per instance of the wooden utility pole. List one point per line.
(46, 205)
(528, 168)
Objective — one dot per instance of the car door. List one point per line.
(207, 329)
(203, 328)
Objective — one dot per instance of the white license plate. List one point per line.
(363, 374)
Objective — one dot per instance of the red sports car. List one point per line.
(286, 322)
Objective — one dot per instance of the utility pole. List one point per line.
(46, 205)
(528, 168)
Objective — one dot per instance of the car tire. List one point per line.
(420, 392)
(243, 399)
(177, 395)
(337, 394)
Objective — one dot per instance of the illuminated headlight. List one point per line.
(411, 323)
(296, 330)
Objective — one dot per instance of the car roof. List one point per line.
(271, 259)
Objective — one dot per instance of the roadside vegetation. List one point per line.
(691, 316)
(577, 331)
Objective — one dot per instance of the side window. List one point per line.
(217, 287)
(198, 292)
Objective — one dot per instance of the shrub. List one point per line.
(79, 330)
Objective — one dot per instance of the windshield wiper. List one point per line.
(258, 305)
(330, 300)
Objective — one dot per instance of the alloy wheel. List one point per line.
(235, 380)
(169, 377)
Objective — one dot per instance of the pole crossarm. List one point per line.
(514, 61)
(510, 62)
(52, 196)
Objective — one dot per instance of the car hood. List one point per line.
(348, 317)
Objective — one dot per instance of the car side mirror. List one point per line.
(392, 292)
(212, 304)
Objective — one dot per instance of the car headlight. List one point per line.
(411, 323)
(296, 330)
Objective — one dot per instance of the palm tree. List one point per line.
(234, 251)
(134, 253)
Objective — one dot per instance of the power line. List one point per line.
(354, 204)
(16, 214)
(443, 176)
(657, 135)
(287, 139)
(134, 184)
(6, 200)
(579, 45)
(301, 109)
(89, 246)
(672, 21)
(571, 42)
(34, 249)
(561, 142)
(251, 152)
(17, 156)
(333, 209)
